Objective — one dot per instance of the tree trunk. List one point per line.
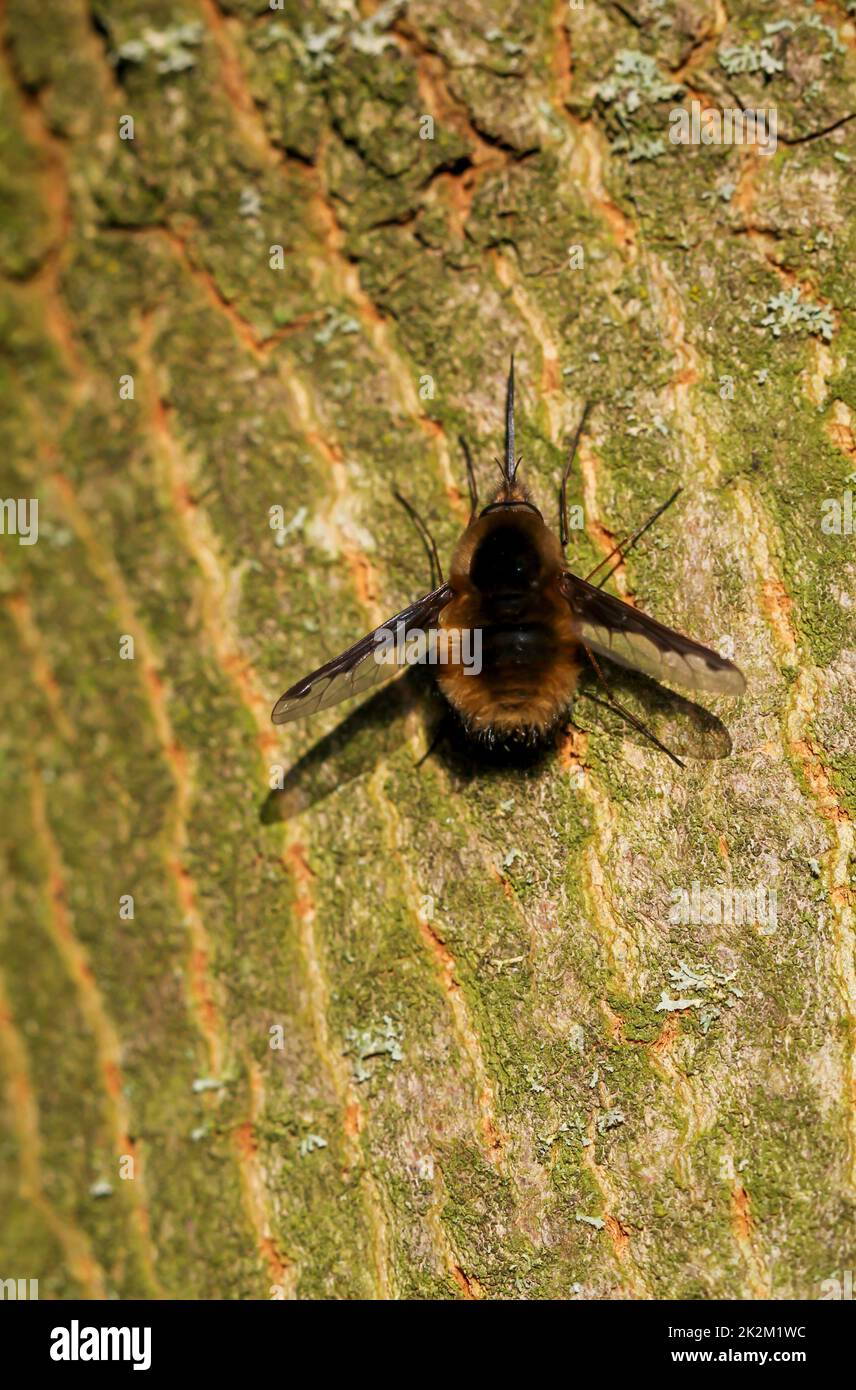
(290, 1015)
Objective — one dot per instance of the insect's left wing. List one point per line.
(615, 630)
(358, 669)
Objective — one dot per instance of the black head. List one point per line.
(505, 560)
(506, 568)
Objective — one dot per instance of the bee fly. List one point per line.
(510, 583)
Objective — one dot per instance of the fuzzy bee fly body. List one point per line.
(537, 623)
(505, 582)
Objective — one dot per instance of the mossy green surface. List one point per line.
(478, 1090)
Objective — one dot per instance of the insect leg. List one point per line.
(629, 541)
(440, 731)
(471, 481)
(427, 538)
(625, 713)
(563, 492)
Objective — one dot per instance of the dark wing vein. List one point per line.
(357, 669)
(615, 630)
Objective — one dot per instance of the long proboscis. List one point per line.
(510, 462)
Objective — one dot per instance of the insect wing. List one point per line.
(359, 668)
(615, 630)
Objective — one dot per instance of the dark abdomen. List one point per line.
(528, 675)
(516, 653)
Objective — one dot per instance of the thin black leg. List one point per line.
(625, 713)
(427, 538)
(629, 541)
(471, 481)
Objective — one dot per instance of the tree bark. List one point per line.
(430, 1030)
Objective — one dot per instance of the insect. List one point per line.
(509, 583)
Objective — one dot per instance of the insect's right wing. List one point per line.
(623, 634)
(358, 669)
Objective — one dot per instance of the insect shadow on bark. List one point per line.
(379, 727)
(536, 621)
